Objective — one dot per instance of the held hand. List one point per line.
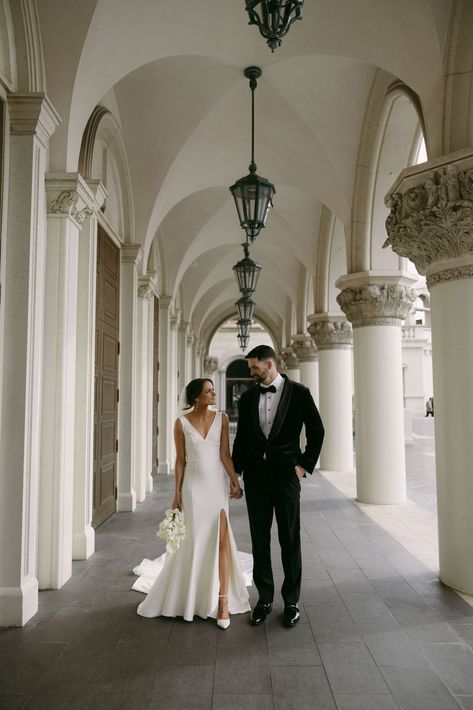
(176, 503)
(235, 490)
(299, 472)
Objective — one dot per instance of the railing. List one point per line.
(416, 332)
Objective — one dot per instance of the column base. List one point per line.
(164, 468)
(19, 604)
(126, 502)
(83, 544)
(456, 587)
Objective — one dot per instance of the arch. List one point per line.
(29, 71)
(103, 157)
(390, 139)
(8, 72)
(331, 262)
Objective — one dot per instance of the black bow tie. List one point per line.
(265, 390)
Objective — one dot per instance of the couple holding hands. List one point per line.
(206, 576)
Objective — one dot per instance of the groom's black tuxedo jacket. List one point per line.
(281, 449)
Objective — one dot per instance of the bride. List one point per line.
(204, 577)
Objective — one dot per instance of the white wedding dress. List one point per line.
(186, 583)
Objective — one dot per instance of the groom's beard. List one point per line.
(260, 378)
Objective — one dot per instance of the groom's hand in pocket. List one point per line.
(299, 472)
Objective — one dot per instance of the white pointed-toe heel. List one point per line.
(223, 623)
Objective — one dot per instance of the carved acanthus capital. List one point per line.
(68, 195)
(281, 363)
(304, 347)
(376, 304)
(290, 359)
(331, 333)
(431, 218)
(145, 289)
(210, 364)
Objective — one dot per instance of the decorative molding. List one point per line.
(66, 204)
(145, 289)
(454, 273)
(376, 304)
(304, 347)
(210, 364)
(32, 114)
(68, 195)
(431, 222)
(131, 253)
(332, 334)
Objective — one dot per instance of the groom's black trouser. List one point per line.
(264, 496)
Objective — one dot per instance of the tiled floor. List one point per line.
(378, 631)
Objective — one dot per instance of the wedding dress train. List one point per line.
(186, 583)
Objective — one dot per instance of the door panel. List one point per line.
(106, 379)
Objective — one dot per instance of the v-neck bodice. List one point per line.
(197, 446)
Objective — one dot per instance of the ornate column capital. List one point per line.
(145, 288)
(376, 298)
(32, 114)
(331, 332)
(68, 195)
(304, 347)
(290, 359)
(431, 217)
(210, 364)
(99, 194)
(165, 302)
(183, 326)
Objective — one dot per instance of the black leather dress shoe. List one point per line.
(291, 615)
(259, 613)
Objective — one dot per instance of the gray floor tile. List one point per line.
(466, 701)
(332, 624)
(418, 689)
(366, 702)
(454, 664)
(119, 701)
(367, 606)
(242, 677)
(394, 648)
(184, 679)
(301, 689)
(237, 701)
(15, 701)
(295, 646)
(60, 701)
(351, 677)
(463, 631)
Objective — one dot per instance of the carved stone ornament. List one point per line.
(290, 359)
(66, 203)
(281, 363)
(304, 348)
(145, 290)
(376, 304)
(332, 334)
(210, 364)
(433, 222)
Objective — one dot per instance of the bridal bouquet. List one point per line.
(172, 529)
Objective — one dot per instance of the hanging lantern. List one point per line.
(274, 18)
(247, 273)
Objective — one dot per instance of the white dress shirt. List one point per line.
(268, 404)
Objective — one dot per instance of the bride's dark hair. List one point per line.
(193, 389)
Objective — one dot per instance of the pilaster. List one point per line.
(431, 223)
(33, 119)
(305, 351)
(144, 385)
(165, 423)
(182, 360)
(131, 255)
(83, 534)
(333, 336)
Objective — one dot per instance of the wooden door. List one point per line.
(106, 379)
(155, 385)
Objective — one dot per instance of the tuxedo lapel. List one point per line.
(282, 408)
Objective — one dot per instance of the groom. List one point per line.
(267, 452)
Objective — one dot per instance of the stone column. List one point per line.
(375, 305)
(131, 255)
(291, 364)
(173, 378)
(144, 386)
(210, 366)
(33, 120)
(306, 352)
(83, 534)
(333, 336)
(165, 423)
(431, 222)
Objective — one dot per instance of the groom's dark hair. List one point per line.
(262, 352)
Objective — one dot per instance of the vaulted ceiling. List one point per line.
(172, 72)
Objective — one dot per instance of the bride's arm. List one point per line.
(180, 462)
(235, 490)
